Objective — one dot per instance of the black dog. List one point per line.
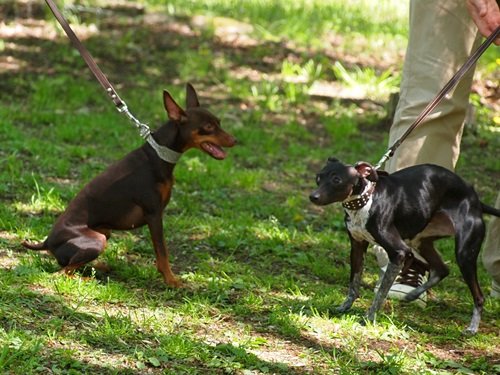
(407, 209)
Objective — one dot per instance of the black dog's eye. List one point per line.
(336, 180)
(317, 179)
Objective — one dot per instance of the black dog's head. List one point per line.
(337, 181)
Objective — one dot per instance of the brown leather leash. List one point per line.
(165, 153)
(121, 106)
(444, 91)
(85, 55)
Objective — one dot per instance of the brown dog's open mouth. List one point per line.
(213, 150)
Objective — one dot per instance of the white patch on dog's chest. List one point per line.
(356, 222)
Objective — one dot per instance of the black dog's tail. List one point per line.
(35, 246)
(490, 210)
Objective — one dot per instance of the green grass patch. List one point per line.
(263, 268)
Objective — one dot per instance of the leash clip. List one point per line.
(384, 158)
(144, 130)
(122, 107)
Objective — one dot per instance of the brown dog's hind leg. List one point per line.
(80, 250)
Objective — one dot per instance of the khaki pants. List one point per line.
(442, 36)
(491, 252)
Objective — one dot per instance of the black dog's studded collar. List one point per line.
(357, 202)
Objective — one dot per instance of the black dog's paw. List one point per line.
(346, 306)
(363, 321)
(368, 318)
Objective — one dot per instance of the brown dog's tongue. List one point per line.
(214, 150)
(218, 152)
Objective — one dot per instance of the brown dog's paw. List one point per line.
(102, 266)
(173, 282)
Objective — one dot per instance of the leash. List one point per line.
(163, 152)
(444, 91)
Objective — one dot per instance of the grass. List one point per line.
(263, 269)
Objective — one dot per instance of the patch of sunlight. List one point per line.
(367, 82)
(294, 294)
(347, 330)
(43, 200)
(7, 258)
(220, 281)
(79, 291)
(10, 63)
(41, 29)
(194, 164)
(293, 359)
(227, 30)
(495, 128)
(93, 356)
(271, 229)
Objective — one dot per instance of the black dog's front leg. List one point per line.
(397, 251)
(390, 275)
(358, 250)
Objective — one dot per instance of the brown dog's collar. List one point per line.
(163, 152)
(357, 202)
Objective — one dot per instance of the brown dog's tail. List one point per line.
(490, 210)
(35, 246)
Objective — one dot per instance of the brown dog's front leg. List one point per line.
(155, 225)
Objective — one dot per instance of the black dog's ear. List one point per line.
(331, 159)
(174, 112)
(366, 170)
(191, 97)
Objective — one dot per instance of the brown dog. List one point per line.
(135, 190)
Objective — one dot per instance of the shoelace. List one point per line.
(414, 275)
(411, 277)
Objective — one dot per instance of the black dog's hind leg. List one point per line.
(438, 269)
(467, 245)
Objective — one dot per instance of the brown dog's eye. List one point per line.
(209, 127)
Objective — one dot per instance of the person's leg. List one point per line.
(491, 252)
(442, 36)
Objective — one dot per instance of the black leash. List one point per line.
(444, 91)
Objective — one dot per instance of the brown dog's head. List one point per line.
(336, 181)
(197, 127)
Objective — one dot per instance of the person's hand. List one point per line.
(486, 15)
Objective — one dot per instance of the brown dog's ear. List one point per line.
(366, 170)
(174, 112)
(191, 97)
